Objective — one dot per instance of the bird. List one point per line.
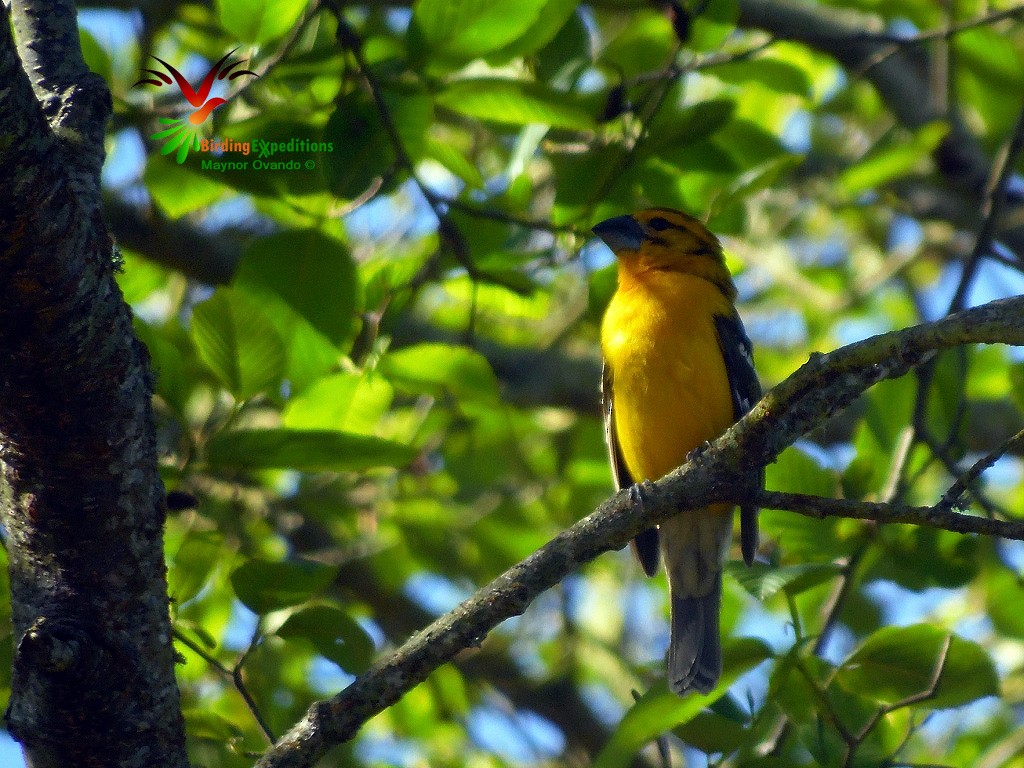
(678, 372)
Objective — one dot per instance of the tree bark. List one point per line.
(80, 497)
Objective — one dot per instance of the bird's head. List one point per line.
(665, 239)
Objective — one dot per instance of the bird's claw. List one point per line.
(697, 452)
(637, 491)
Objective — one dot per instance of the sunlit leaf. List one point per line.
(191, 564)
(460, 30)
(258, 21)
(345, 401)
(238, 343)
(442, 370)
(893, 162)
(178, 190)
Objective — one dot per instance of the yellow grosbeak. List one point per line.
(678, 372)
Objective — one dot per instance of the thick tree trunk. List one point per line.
(80, 497)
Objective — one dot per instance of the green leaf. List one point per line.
(335, 635)
(361, 152)
(313, 273)
(711, 732)
(455, 161)
(896, 663)
(990, 55)
(1016, 376)
(350, 402)
(176, 189)
(305, 450)
(199, 633)
(173, 380)
(310, 354)
(192, 564)
(462, 30)
(516, 102)
(918, 557)
(238, 343)
(440, 370)
(204, 724)
(644, 45)
(754, 180)
(139, 278)
(674, 128)
(259, 21)
(714, 25)
(890, 408)
(764, 581)
(946, 394)
(550, 19)
(660, 710)
(562, 60)
(893, 162)
(266, 586)
(776, 74)
(1003, 593)
(796, 471)
(96, 57)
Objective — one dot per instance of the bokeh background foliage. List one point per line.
(379, 375)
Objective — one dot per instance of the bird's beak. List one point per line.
(621, 233)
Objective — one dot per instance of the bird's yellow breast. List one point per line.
(670, 387)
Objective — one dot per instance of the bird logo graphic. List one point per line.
(182, 134)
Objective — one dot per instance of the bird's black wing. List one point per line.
(746, 391)
(645, 545)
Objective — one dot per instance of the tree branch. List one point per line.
(826, 383)
(177, 244)
(75, 101)
(937, 516)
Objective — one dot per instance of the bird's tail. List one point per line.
(695, 648)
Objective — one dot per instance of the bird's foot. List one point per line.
(697, 452)
(638, 491)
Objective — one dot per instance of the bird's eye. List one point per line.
(659, 224)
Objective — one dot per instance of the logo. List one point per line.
(182, 135)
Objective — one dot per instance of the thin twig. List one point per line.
(653, 102)
(824, 703)
(917, 698)
(236, 678)
(950, 499)
(946, 32)
(234, 674)
(449, 233)
(930, 517)
(509, 218)
(993, 197)
(941, 452)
